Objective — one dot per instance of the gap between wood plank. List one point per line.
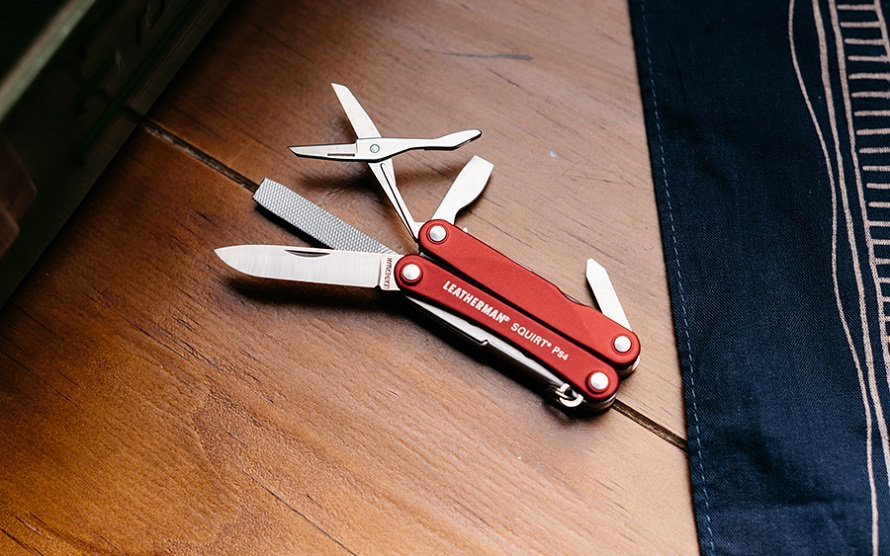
(152, 128)
(156, 130)
(650, 425)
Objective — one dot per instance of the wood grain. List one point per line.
(553, 87)
(152, 402)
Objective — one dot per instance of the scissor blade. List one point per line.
(359, 119)
(465, 189)
(308, 264)
(345, 151)
(383, 171)
(386, 177)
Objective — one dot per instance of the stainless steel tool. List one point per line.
(578, 351)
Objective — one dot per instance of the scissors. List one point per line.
(577, 351)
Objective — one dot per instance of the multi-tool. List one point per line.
(575, 351)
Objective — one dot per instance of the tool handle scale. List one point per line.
(589, 375)
(530, 293)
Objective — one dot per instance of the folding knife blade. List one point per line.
(308, 264)
(334, 233)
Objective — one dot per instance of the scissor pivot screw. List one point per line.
(375, 148)
(622, 344)
(598, 382)
(437, 234)
(411, 273)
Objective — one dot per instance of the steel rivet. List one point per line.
(622, 344)
(438, 234)
(598, 382)
(411, 273)
(375, 148)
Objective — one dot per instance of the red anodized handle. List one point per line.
(530, 293)
(587, 374)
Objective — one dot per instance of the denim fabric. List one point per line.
(769, 134)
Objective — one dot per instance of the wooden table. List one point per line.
(151, 402)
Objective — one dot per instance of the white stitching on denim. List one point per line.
(667, 192)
